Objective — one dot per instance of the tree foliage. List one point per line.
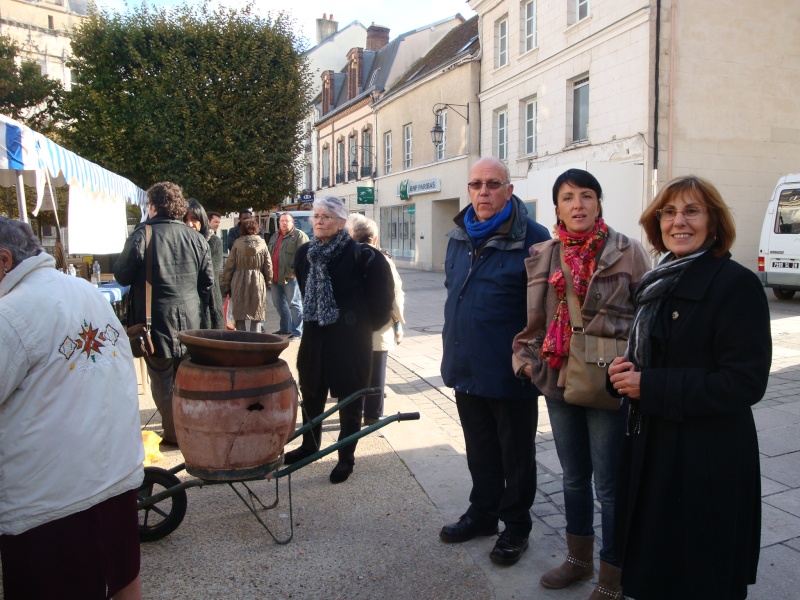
(25, 94)
(212, 100)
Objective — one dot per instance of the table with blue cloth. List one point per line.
(117, 295)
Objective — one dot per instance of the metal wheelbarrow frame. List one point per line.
(161, 512)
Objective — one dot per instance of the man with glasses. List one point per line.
(285, 293)
(485, 308)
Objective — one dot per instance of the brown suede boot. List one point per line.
(579, 565)
(608, 583)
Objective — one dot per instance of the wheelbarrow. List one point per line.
(162, 496)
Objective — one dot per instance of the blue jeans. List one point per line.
(287, 301)
(589, 440)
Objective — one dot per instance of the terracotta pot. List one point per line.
(232, 423)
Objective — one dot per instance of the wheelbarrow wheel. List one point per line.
(162, 518)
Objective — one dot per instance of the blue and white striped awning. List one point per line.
(22, 149)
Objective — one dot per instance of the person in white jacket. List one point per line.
(70, 438)
(365, 230)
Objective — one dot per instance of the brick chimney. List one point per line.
(355, 72)
(327, 92)
(377, 37)
(326, 27)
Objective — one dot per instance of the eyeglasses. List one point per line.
(492, 185)
(323, 218)
(690, 213)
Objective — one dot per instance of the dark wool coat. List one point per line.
(214, 318)
(363, 288)
(181, 284)
(689, 495)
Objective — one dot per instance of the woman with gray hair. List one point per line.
(365, 230)
(347, 294)
(68, 527)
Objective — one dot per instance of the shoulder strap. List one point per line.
(148, 276)
(572, 298)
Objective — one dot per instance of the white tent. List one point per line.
(97, 197)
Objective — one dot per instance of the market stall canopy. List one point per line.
(97, 197)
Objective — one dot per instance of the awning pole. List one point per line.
(23, 209)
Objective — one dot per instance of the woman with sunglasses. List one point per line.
(347, 291)
(605, 268)
(699, 354)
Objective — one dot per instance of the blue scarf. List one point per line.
(478, 230)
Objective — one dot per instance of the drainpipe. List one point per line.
(673, 27)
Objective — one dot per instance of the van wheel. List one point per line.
(783, 294)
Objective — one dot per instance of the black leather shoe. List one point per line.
(296, 455)
(509, 548)
(341, 472)
(464, 530)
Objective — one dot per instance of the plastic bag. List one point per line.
(230, 322)
(152, 454)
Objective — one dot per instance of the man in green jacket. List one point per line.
(285, 293)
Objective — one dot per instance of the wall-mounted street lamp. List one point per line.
(437, 133)
(366, 171)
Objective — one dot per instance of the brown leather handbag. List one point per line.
(589, 357)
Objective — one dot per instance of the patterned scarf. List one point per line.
(580, 253)
(319, 304)
(655, 286)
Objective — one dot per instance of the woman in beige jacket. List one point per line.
(247, 276)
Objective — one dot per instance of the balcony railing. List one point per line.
(366, 171)
(326, 182)
(340, 178)
(352, 175)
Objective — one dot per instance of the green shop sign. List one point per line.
(365, 195)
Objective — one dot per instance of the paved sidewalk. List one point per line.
(376, 536)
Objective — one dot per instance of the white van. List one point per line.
(779, 248)
(302, 220)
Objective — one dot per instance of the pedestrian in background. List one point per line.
(181, 282)
(285, 294)
(247, 275)
(365, 230)
(606, 268)
(196, 218)
(485, 308)
(689, 500)
(70, 439)
(214, 219)
(235, 231)
(347, 295)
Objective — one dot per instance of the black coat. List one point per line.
(181, 281)
(689, 496)
(341, 353)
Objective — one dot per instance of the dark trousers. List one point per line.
(373, 403)
(314, 399)
(501, 457)
(162, 381)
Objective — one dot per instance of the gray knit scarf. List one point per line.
(319, 304)
(655, 286)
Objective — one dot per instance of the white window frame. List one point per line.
(387, 152)
(341, 168)
(501, 134)
(528, 18)
(578, 10)
(501, 42)
(441, 149)
(580, 87)
(408, 146)
(366, 149)
(529, 115)
(326, 164)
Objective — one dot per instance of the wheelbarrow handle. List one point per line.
(348, 440)
(319, 419)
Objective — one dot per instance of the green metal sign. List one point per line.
(365, 195)
(411, 209)
(404, 189)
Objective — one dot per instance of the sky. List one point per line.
(399, 15)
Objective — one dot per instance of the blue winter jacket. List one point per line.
(486, 307)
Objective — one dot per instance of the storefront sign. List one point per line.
(365, 195)
(404, 189)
